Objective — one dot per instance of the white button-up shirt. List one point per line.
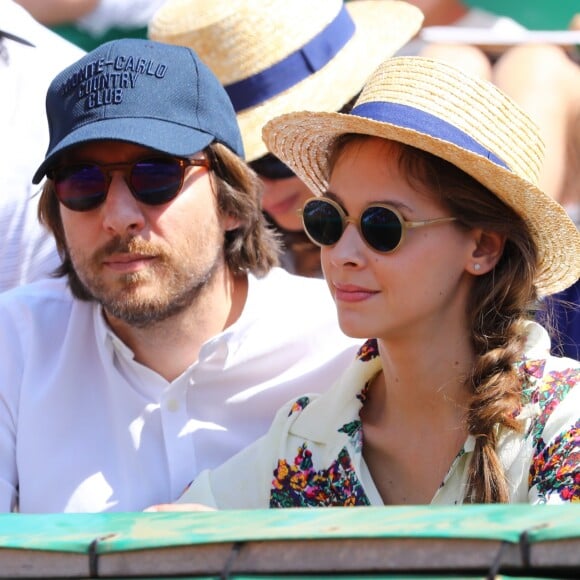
(86, 428)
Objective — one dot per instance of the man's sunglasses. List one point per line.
(153, 181)
(381, 226)
(270, 167)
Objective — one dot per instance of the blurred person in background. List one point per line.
(88, 23)
(30, 56)
(276, 56)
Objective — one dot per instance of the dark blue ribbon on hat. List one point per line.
(296, 67)
(408, 117)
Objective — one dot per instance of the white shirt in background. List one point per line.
(27, 251)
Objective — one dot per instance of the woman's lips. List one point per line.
(352, 293)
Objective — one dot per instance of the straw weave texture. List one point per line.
(303, 139)
(238, 39)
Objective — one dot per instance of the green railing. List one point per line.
(392, 542)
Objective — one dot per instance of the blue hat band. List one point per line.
(295, 67)
(408, 117)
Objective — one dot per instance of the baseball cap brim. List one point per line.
(162, 136)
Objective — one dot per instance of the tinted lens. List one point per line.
(322, 222)
(152, 181)
(81, 187)
(270, 167)
(381, 228)
(156, 181)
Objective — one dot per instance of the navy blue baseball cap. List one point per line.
(140, 91)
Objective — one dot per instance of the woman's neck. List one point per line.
(414, 420)
(423, 385)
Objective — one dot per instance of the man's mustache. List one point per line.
(127, 245)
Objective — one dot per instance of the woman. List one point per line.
(436, 242)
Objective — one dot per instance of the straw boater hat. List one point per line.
(276, 56)
(466, 121)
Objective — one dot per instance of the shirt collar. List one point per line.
(341, 403)
(220, 350)
(537, 341)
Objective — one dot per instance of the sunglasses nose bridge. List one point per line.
(345, 235)
(348, 220)
(122, 170)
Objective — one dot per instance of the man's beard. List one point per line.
(178, 287)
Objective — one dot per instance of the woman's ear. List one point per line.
(230, 223)
(487, 253)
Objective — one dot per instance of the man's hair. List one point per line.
(252, 247)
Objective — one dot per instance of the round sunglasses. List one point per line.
(381, 226)
(153, 181)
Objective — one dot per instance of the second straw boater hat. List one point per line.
(277, 56)
(466, 121)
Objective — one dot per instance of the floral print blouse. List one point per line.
(312, 455)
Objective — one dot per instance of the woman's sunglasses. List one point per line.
(381, 226)
(153, 181)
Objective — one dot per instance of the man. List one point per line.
(30, 56)
(169, 339)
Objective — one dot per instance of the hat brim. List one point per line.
(163, 136)
(382, 28)
(302, 141)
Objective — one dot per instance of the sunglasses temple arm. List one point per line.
(411, 225)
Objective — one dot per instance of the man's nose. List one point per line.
(121, 211)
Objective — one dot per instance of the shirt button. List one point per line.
(172, 405)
